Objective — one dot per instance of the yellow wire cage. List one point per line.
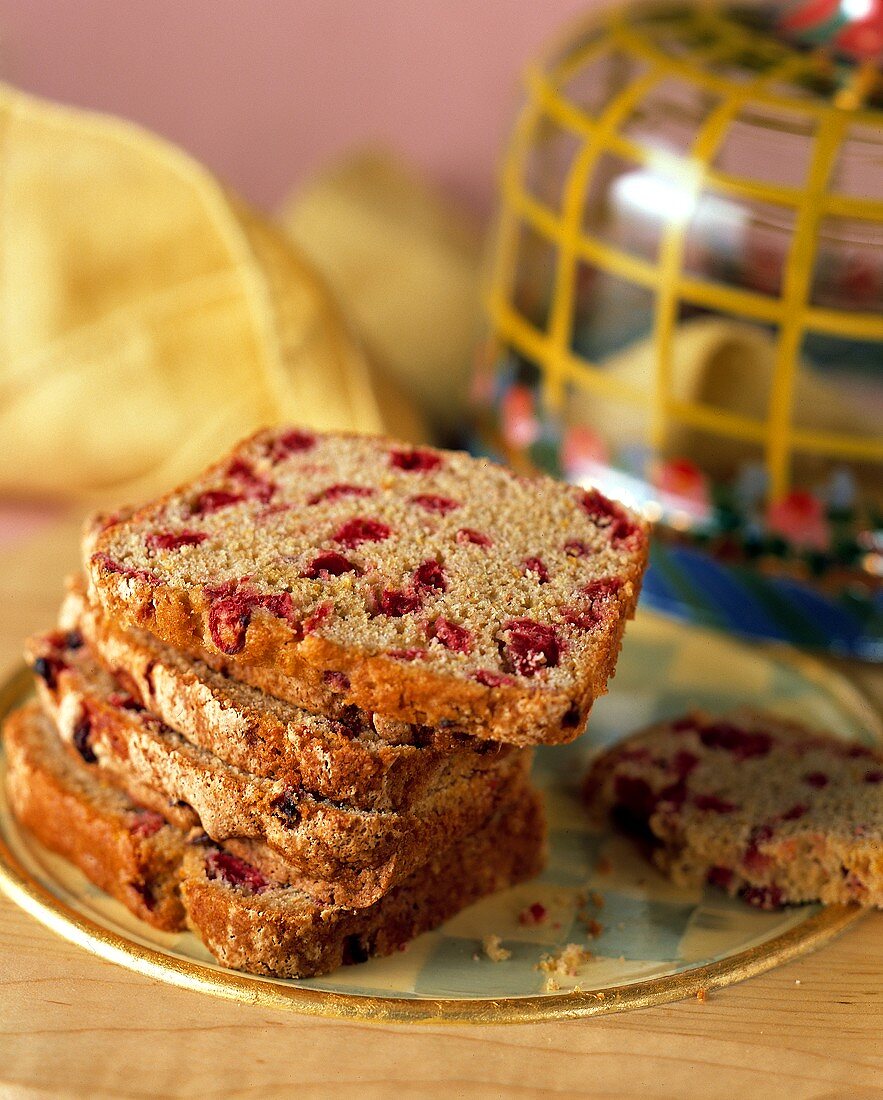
(780, 74)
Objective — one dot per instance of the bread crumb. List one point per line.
(565, 962)
(702, 996)
(594, 928)
(493, 949)
(551, 986)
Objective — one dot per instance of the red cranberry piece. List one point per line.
(856, 752)
(609, 514)
(288, 809)
(684, 762)
(714, 804)
(107, 562)
(755, 860)
(406, 654)
(48, 668)
(742, 743)
(603, 588)
(231, 610)
(233, 871)
(415, 461)
(796, 812)
(124, 701)
(533, 914)
(330, 564)
(536, 566)
(396, 603)
(816, 779)
(291, 442)
(576, 548)
(166, 540)
(874, 776)
(430, 575)
(764, 897)
(358, 530)
(488, 678)
(212, 500)
(587, 615)
(254, 486)
(720, 876)
(335, 492)
(433, 503)
(530, 646)
(635, 796)
(468, 535)
(321, 614)
(338, 680)
(82, 740)
(147, 824)
(452, 636)
(682, 725)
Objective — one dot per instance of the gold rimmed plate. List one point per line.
(657, 942)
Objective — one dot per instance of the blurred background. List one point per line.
(267, 92)
(636, 248)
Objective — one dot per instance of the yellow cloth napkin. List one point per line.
(149, 319)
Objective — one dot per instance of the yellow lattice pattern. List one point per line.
(551, 348)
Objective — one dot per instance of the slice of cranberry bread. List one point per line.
(128, 851)
(761, 807)
(345, 759)
(423, 585)
(253, 924)
(319, 838)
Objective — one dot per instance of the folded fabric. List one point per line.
(150, 317)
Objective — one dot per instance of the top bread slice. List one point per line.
(423, 585)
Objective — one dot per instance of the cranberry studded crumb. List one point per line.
(452, 636)
(291, 443)
(534, 914)
(537, 568)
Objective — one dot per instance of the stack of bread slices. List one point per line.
(292, 705)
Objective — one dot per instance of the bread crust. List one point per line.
(272, 930)
(329, 842)
(95, 827)
(345, 760)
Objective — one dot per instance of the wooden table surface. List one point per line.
(73, 1024)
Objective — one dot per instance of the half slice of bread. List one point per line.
(761, 807)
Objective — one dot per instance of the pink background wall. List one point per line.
(265, 91)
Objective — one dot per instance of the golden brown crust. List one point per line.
(344, 760)
(92, 826)
(274, 933)
(319, 839)
(508, 713)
